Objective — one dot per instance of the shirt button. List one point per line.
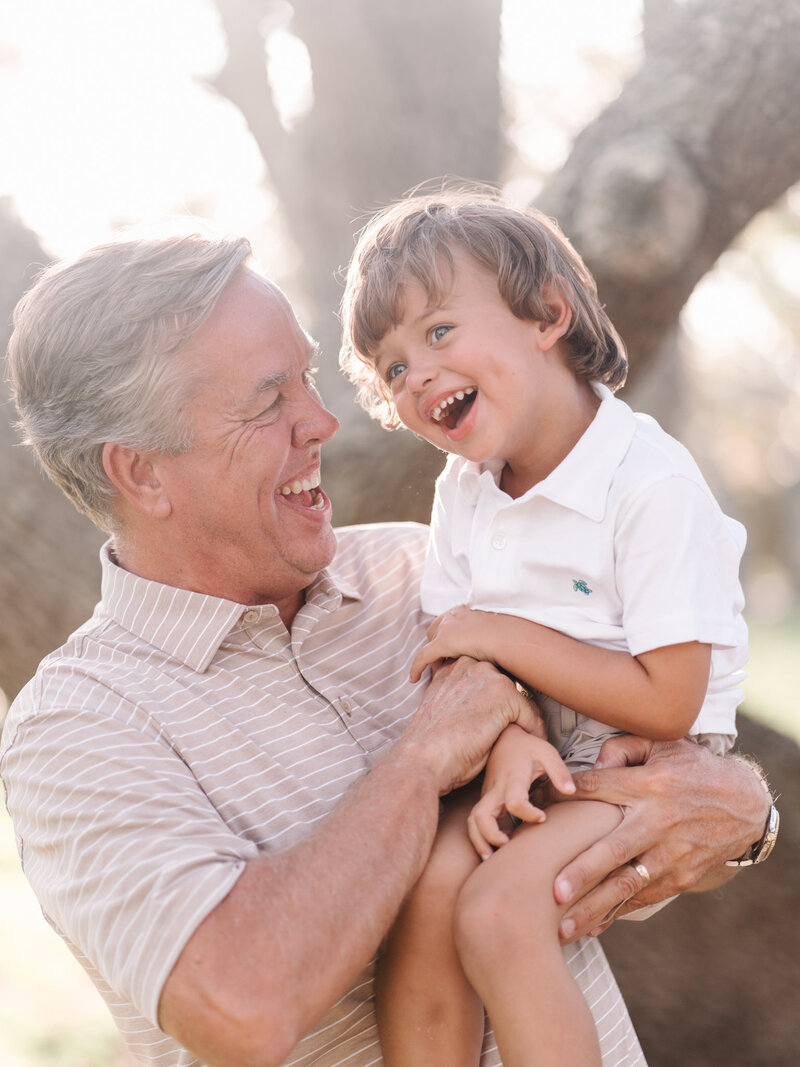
(250, 616)
(499, 541)
(346, 706)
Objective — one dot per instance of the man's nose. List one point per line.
(315, 424)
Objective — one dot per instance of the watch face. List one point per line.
(767, 843)
(758, 852)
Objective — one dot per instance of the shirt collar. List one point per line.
(581, 482)
(188, 626)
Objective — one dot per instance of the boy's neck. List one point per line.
(567, 428)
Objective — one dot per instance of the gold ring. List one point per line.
(643, 873)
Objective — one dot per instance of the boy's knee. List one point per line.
(484, 917)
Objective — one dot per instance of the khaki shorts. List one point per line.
(579, 740)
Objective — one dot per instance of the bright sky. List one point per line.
(106, 119)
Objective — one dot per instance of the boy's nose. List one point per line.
(421, 373)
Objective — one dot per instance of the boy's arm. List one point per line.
(657, 694)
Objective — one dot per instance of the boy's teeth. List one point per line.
(440, 410)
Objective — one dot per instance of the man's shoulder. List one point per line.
(403, 537)
(389, 553)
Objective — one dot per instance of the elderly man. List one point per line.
(188, 774)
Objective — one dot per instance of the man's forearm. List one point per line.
(298, 927)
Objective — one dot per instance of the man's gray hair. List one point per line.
(91, 358)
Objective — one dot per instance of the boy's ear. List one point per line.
(135, 476)
(552, 332)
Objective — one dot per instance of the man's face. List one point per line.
(246, 510)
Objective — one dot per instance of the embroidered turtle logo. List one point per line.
(580, 586)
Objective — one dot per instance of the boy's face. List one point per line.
(472, 378)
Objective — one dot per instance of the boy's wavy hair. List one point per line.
(413, 240)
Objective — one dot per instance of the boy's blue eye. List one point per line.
(395, 370)
(438, 332)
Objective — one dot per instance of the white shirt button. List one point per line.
(346, 706)
(250, 616)
(499, 541)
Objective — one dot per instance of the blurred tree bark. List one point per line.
(402, 93)
(702, 138)
(49, 574)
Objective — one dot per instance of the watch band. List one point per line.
(759, 851)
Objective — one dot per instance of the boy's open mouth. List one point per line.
(450, 411)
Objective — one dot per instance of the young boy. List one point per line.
(574, 544)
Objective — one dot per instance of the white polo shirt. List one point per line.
(622, 546)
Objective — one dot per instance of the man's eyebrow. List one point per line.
(273, 381)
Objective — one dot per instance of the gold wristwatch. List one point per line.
(759, 851)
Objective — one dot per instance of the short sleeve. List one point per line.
(446, 579)
(124, 850)
(678, 568)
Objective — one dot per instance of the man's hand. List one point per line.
(464, 709)
(517, 760)
(461, 631)
(686, 812)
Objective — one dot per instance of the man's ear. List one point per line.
(561, 312)
(134, 475)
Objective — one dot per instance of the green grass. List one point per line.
(51, 1015)
(773, 675)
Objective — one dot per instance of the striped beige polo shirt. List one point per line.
(176, 736)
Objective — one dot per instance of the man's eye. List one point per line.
(395, 371)
(438, 332)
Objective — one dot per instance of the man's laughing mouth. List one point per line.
(306, 491)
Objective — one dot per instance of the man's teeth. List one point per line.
(304, 486)
(443, 406)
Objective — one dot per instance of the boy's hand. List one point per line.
(517, 760)
(461, 631)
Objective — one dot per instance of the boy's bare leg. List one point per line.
(507, 937)
(428, 1013)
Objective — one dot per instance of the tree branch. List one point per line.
(243, 78)
(706, 135)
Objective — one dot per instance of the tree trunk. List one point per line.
(712, 980)
(402, 93)
(49, 575)
(706, 135)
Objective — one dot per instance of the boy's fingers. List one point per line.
(523, 809)
(478, 841)
(424, 658)
(487, 826)
(557, 771)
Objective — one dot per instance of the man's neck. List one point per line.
(178, 576)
